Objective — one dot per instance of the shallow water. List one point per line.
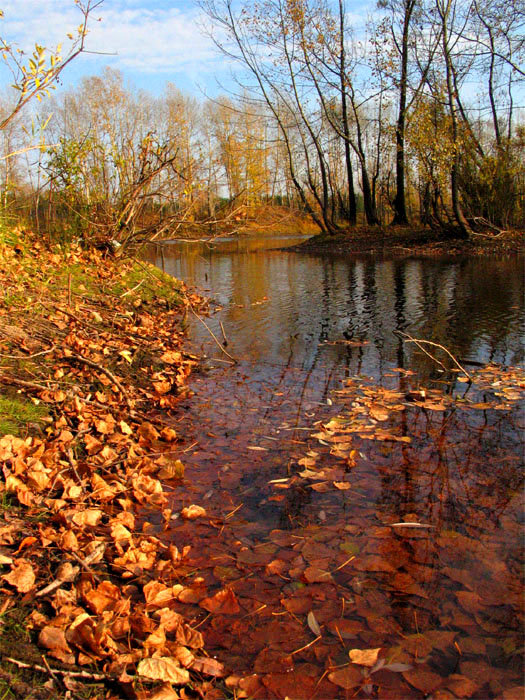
(444, 599)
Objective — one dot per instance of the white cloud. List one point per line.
(147, 37)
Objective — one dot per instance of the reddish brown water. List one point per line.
(443, 600)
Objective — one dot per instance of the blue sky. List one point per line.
(155, 41)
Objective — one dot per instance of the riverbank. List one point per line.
(401, 241)
(92, 369)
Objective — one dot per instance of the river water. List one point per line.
(442, 597)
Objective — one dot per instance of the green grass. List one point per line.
(16, 413)
(147, 283)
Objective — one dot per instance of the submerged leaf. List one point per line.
(364, 657)
(313, 624)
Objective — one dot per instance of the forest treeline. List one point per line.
(418, 121)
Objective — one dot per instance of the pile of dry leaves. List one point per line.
(106, 359)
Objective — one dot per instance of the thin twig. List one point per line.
(409, 339)
(219, 344)
(61, 671)
(223, 333)
(29, 357)
(84, 563)
(105, 371)
(305, 646)
(22, 383)
(132, 290)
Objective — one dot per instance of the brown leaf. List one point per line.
(171, 357)
(157, 595)
(189, 637)
(342, 485)
(347, 629)
(378, 412)
(426, 681)
(314, 575)
(104, 597)
(168, 434)
(69, 541)
(165, 692)
(125, 428)
(53, 638)
(148, 432)
(224, 602)
(461, 686)
(22, 576)
(163, 386)
(348, 677)
(208, 666)
(163, 669)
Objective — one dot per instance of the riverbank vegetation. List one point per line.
(382, 129)
(91, 369)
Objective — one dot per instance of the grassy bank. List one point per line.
(92, 368)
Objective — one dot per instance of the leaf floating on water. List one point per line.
(313, 624)
(364, 657)
(379, 413)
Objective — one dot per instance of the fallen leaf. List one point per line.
(90, 517)
(53, 638)
(347, 678)
(165, 692)
(364, 657)
(208, 666)
(313, 624)
(224, 602)
(163, 669)
(22, 576)
(314, 575)
(426, 681)
(192, 512)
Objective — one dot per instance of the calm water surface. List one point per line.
(445, 599)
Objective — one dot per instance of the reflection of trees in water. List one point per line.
(461, 472)
(471, 306)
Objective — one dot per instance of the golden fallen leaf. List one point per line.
(125, 428)
(163, 669)
(163, 386)
(90, 517)
(364, 657)
(192, 512)
(378, 412)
